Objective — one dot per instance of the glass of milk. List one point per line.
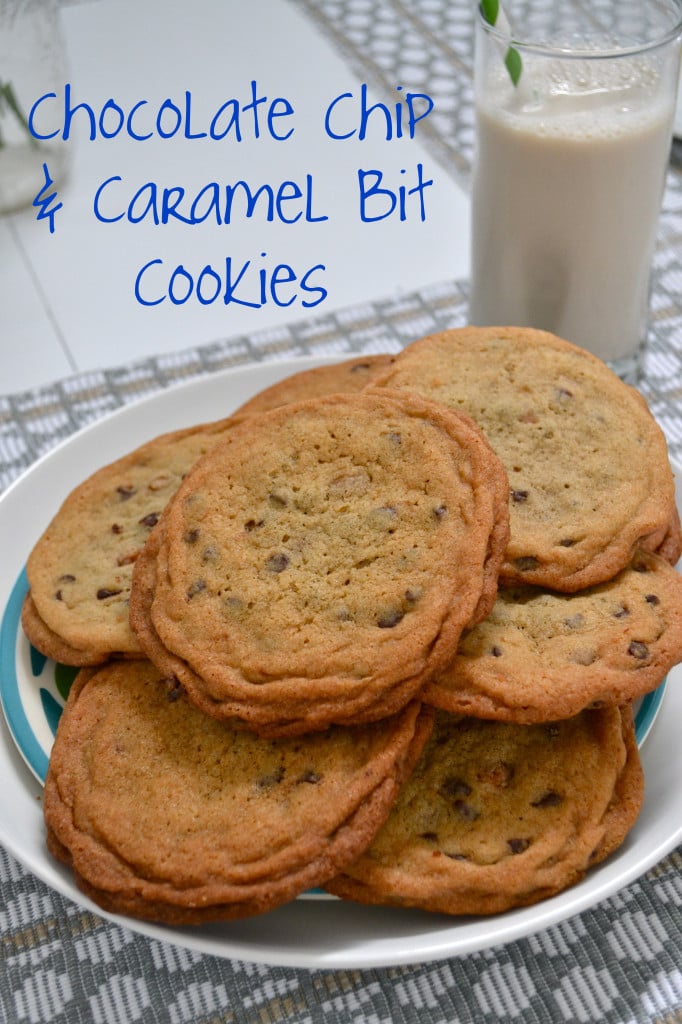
(570, 168)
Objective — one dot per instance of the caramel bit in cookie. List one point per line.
(105, 592)
(390, 618)
(195, 588)
(518, 845)
(549, 799)
(209, 554)
(310, 776)
(528, 417)
(499, 774)
(526, 563)
(67, 577)
(384, 518)
(127, 559)
(518, 497)
(116, 528)
(638, 650)
(253, 524)
(151, 519)
(159, 481)
(496, 651)
(440, 511)
(278, 562)
(652, 599)
(622, 612)
(126, 491)
(583, 657)
(350, 485)
(191, 536)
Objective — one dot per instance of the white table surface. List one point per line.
(67, 300)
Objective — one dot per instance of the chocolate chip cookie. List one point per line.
(497, 815)
(164, 814)
(347, 376)
(80, 569)
(542, 655)
(588, 467)
(320, 562)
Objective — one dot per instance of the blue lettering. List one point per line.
(129, 123)
(415, 118)
(69, 111)
(189, 134)
(282, 274)
(232, 107)
(208, 272)
(98, 214)
(31, 126)
(138, 279)
(120, 119)
(273, 112)
(321, 292)
(388, 199)
(365, 112)
(180, 273)
(165, 133)
(213, 193)
(231, 285)
(328, 114)
(145, 199)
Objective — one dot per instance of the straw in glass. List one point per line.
(493, 13)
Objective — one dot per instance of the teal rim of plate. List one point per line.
(13, 706)
(32, 750)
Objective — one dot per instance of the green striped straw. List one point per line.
(492, 13)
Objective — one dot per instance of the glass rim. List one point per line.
(547, 50)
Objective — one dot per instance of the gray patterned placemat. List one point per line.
(32, 422)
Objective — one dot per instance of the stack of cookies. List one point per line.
(379, 631)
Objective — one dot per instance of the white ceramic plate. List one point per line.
(316, 934)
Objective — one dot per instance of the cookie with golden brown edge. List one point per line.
(320, 563)
(542, 655)
(588, 466)
(166, 815)
(348, 376)
(80, 569)
(496, 816)
(671, 546)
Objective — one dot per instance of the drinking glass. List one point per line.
(32, 63)
(574, 111)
